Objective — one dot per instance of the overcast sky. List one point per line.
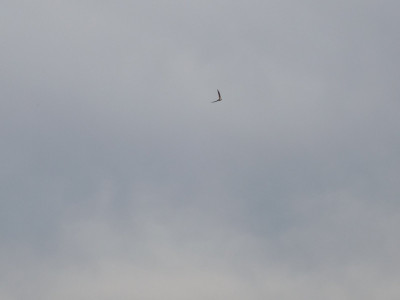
(120, 180)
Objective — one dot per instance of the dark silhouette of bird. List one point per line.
(219, 97)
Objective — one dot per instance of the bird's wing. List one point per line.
(219, 94)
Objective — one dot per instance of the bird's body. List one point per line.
(219, 97)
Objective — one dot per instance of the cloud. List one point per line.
(121, 179)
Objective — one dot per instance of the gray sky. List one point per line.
(120, 180)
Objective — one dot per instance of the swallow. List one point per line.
(219, 97)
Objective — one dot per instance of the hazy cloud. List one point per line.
(119, 178)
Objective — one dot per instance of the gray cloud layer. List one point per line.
(120, 180)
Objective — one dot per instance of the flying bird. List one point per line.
(219, 97)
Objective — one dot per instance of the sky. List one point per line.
(120, 180)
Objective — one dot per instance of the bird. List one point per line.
(219, 97)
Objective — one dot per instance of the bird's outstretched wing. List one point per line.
(219, 97)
